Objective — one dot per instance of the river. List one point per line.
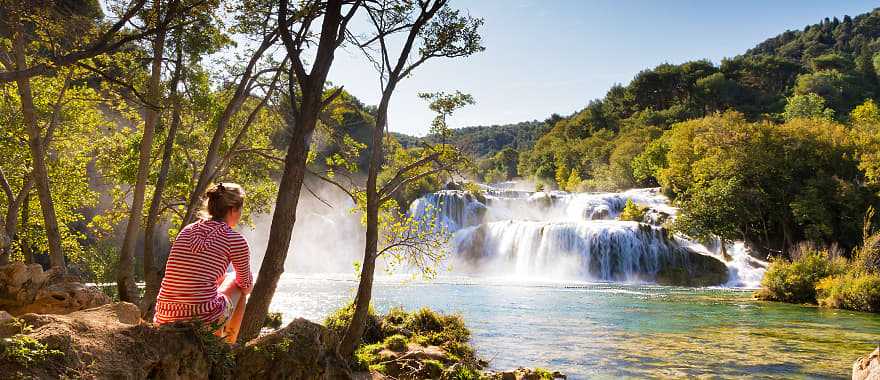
(555, 280)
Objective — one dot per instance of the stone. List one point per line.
(29, 289)
(868, 367)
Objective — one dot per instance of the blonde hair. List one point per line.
(222, 198)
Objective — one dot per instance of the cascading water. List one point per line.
(577, 236)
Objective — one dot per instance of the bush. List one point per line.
(795, 281)
(633, 212)
(851, 291)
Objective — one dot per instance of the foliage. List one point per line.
(633, 212)
(762, 182)
(850, 291)
(807, 106)
(24, 350)
(795, 281)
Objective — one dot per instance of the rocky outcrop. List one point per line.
(868, 367)
(112, 341)
(29, 289)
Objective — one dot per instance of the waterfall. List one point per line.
(457, 209)
(560, 235)
(606, 250)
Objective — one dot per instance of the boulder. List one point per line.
(29, 289)
(111, 341)
(868, 367)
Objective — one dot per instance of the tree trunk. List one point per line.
(280, 233)
(35, 143)
(152, 275)
(355, 330)
(284, 215)
(125, 272)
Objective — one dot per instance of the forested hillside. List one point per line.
(776, 145)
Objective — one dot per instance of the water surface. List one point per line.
(604, 330)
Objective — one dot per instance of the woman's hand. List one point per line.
(247, 291)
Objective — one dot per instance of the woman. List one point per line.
(196, 285)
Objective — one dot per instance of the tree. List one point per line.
(433, 30)
(73, 115)
(807, 106)
(307, 97)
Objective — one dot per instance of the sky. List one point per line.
(554, 56)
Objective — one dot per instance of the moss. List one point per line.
(462, 372)
(366, 355)
(432, 368)
(338, 322)
(396, 343)
(273, 320)
(544, 374)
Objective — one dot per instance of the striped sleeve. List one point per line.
(239, 255)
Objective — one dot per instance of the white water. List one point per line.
(571, 236)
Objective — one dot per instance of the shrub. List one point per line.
(633, 212)
(851, 291)
(396, 343)
(795, 281)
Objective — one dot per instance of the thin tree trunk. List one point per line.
(36, 145)
(125, 272)
(212, 158)
(355, 330)
(26, 250)
(152, 275)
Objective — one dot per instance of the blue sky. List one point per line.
(554, 56)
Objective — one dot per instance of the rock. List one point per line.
(4, 316)
(692, 269)
(868, 367)
(526, 374)
(112, 341)
(301, 350)
(29, 289)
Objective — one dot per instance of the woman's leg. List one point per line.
(236, 297)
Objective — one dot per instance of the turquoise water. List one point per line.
(613, 330)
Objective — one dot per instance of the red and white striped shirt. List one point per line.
(196, 266)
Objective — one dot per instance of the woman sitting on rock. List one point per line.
(196, 285)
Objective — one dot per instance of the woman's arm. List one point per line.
(239, 255)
